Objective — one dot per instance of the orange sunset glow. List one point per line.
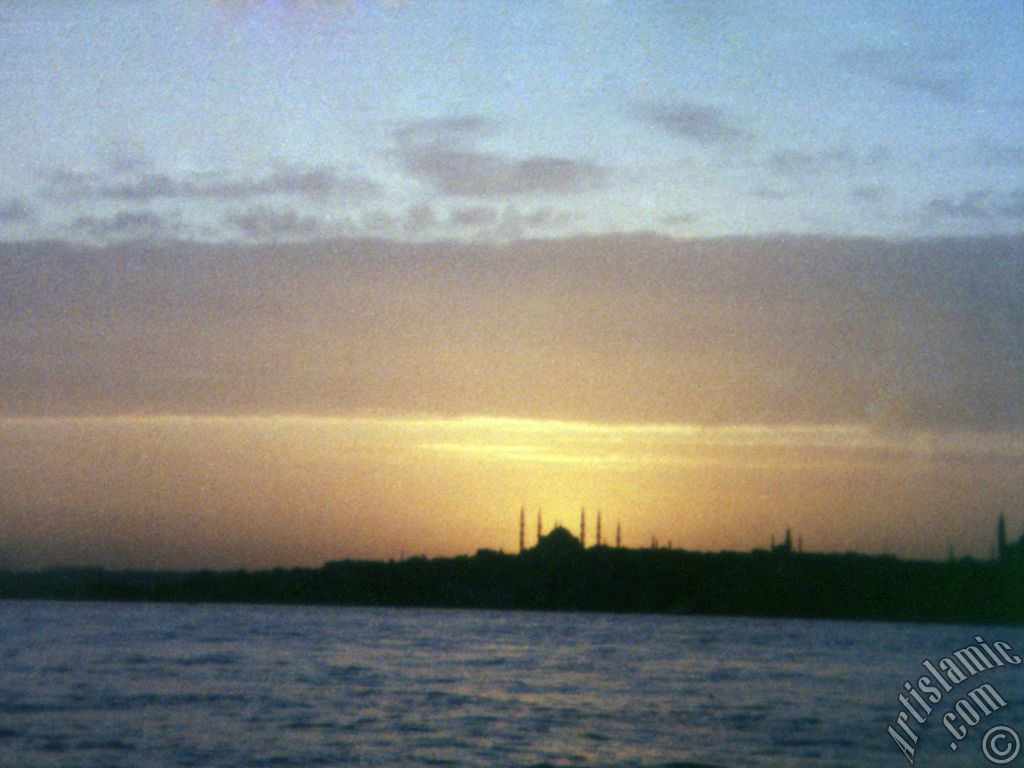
(283, 283)
(252, 409)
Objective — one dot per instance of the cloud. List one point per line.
(804, 165)
(680, 219)
(637, 328)
(771, 193)
(973, 205)
(260, 223)
(419, 218)
(796, 164)
(515, 224)
(870, 193)
(1001, 155)
(379, 222)
(979, 205)
(701, 123)
(316, 182)
(128, 225)
(67, 184)
(939, 86)
(935, 73)
(1012, 205)
(473, 216)
(124, 157)
(448, 131)
(443, 154)
(14, 210)
(508, 223)
(806, 173)
(479, 174)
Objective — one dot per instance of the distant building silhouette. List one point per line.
(786, 547)
(598, 542)
(1009, 552)
(522, 528)
(618, 534)
(583, 527)
(540, 528)
(559, 545)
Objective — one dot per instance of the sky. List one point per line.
(288, 282)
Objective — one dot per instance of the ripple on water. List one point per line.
(251, 686)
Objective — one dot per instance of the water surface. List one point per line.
(91, 684)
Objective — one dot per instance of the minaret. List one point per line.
(583, 527)
(1001, 537)
(789, 541)
(599, 528)
(618, 535)
(540, 528)
(522, 528)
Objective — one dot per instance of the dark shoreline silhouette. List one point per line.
(559, 574)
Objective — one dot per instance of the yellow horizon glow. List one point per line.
(502, 430)
(171, 490)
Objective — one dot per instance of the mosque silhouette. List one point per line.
(560, 573)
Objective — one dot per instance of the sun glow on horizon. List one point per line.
(533, 438)
(245, 491)
(237, 331)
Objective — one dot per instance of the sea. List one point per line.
(242, 686)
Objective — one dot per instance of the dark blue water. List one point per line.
(170, 685)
